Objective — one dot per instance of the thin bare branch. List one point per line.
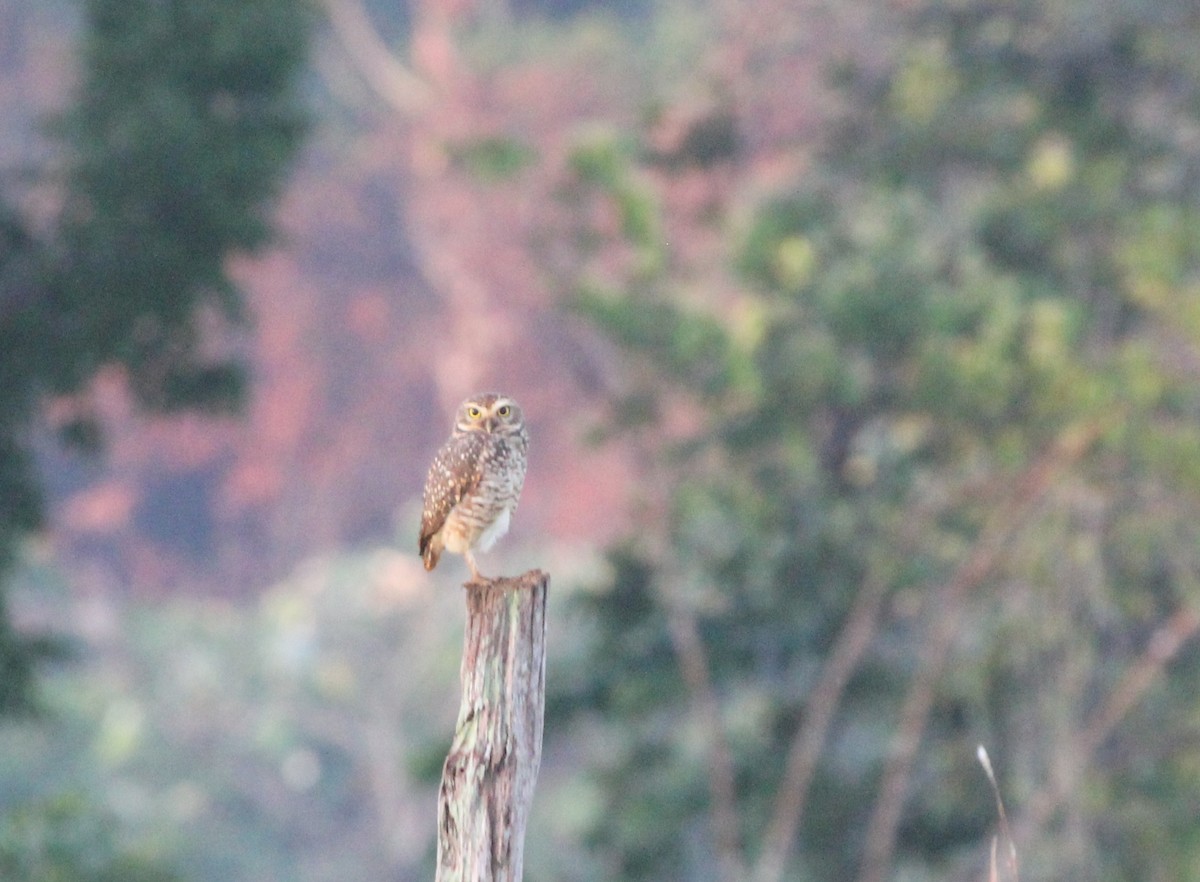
(694, 666)
(1005, 830)
(822, 705)
(809, 740)
(944, 627)
(380, 68)
(1163, 646)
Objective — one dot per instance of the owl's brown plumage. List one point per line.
(475, 481)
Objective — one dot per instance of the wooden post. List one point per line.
(490, 772)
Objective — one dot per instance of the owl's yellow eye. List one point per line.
(474, 412)
(504, 411)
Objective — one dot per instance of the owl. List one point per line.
(475, 481)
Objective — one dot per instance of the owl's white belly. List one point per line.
(494, 530)
(463, 531)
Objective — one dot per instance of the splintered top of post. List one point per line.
(525, 581)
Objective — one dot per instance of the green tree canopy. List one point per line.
(943, 470)
(177, 140)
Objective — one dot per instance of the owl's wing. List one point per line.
(456, 472)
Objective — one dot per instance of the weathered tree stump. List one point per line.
(490, 772)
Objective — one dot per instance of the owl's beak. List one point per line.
(490, 424)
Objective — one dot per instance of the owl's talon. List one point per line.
(477, 578)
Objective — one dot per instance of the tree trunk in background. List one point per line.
(489, 775)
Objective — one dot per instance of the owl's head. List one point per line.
(489, 412)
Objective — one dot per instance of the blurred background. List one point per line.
(860, 345)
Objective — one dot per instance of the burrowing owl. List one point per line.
(475, 480)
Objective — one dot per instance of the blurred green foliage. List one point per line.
(297, 737)
(493, 159)
(998, 249)
(180, 132)
(64, 840)
(183, 124)
(177, 143)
